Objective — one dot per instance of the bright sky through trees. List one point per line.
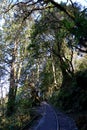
(82, 2)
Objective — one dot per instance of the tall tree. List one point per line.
(78, 17)
(50, 32)
(16, 39)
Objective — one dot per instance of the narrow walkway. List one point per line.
(52, 120)
(65, 122)
(48, 120)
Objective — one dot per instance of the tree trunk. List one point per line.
(66, 80)
(65, 65)
(13, 83)
(54, 72)
(12, 93)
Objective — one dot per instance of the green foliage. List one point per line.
(25, 103)
(23, 115)
(49, 34)
(68, 24)
(81, 65)
(73, 98)
(46, 78)
(16, 121)
(81, 20)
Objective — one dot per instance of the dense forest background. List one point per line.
(43, 56)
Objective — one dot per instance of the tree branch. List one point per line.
(62, 9)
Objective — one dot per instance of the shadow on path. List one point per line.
(52, 120)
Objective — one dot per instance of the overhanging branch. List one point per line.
(62, 9)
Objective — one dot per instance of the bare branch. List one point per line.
(18, 4)
(72, 3)
(81, 50)
(35, 9)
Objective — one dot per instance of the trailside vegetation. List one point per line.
(43, 56)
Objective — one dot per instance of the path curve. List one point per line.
(49, 120)
(53, 120)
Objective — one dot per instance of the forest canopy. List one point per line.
(43, 56)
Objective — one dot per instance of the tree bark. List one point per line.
(12, 93)
(13, 83)
(54, 72)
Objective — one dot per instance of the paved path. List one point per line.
(65, 122)
(52, 120)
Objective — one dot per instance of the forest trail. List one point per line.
(53, 120)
